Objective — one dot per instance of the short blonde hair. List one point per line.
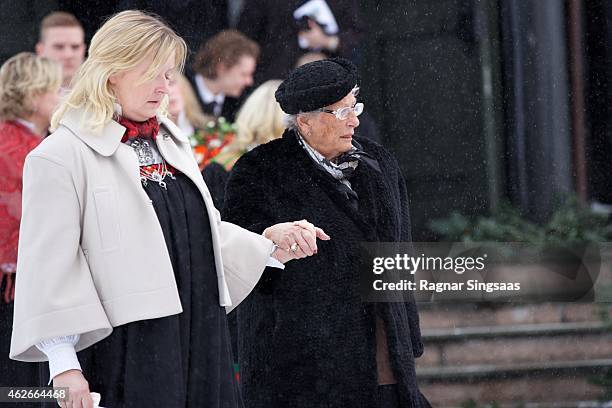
(260, 119)
(22, 78)
(118, 46)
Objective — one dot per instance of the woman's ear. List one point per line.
(112, 79)
(303, 122)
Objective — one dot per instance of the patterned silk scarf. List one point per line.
(343, 167)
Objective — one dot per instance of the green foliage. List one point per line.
(604, 380)
(469, 404)
(570, 225)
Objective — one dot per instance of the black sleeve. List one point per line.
(247, 196)
(250, 203)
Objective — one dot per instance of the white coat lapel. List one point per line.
(181, 158)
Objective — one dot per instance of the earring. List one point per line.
(117, 107)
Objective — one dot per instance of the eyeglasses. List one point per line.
(343, 113)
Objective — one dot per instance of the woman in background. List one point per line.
(29, 92)
(260, 120)
(183, 107)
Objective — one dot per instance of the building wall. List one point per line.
(423, 81)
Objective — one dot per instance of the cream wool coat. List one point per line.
(92, 254)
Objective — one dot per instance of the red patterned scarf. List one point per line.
(147, 129)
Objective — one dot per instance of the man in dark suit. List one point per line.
(224, 68)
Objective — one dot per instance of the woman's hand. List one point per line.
(295, 240)
(78, 389)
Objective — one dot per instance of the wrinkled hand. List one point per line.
(78, 389)
(316, 37)
(302, 233)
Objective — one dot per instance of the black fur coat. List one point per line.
(305, 337)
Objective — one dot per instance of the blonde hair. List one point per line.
(193, 111)
(22, 78)
(118, 46)
(260, 119)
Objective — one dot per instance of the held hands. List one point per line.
(295, 240)
(78, 389)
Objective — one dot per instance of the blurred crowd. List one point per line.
(236, 47)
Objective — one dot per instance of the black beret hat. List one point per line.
(317, 84)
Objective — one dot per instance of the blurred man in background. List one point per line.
(224, 67)
(62, 39)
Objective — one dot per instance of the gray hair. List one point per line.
(291, 120)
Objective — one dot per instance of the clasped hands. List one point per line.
(295, 240)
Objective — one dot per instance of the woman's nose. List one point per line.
(163, 86)
(352, 120)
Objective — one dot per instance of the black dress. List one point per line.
(181, 360)
(15, 373)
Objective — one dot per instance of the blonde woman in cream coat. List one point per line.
(123, 258)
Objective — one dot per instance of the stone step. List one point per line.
(516, 384)
(440, 316)
(489, 371)
(518, 330)
(511, 355)
(498, 345)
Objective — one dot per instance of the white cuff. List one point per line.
(274, 263)
(61, 354)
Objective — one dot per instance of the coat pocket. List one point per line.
(108, 220)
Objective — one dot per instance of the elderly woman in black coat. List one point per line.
(306, 339)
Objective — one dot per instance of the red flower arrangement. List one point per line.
(210, 141)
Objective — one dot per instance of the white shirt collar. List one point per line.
(27, 124)
(206, 95)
